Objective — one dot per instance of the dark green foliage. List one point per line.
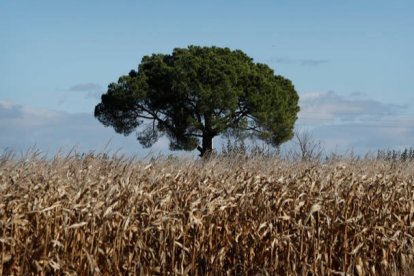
(197, 93)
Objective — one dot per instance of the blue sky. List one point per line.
(351, 63)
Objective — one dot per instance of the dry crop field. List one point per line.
(97, 215)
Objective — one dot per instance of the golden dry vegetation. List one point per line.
(96, 215)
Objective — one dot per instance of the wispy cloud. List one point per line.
(87, 91)
(85, 87)
(308, 62)
(312, 62)
(90, 90)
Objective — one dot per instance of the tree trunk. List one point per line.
(207, 145)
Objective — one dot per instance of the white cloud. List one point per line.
(329, 107)
(23, 127)
(355, 122)
(363, 138)
(340, 122)
(24, 116)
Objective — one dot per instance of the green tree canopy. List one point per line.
(197, 93)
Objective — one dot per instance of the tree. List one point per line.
(198, 93)
(309, 148)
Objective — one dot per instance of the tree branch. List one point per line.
(156, 117)
(195, 135)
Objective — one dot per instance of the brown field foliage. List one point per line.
(96, 215)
